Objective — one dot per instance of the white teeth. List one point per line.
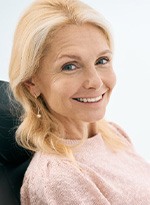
(89, 99)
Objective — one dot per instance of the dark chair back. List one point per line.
(14, 160)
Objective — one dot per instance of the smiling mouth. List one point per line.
(89, 100)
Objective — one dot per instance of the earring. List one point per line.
(38, 113)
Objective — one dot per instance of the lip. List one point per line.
(90, 96)
(89, 103)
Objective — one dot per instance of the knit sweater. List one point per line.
(104, 178)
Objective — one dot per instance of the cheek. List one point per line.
(111, 80)
(58, 90)
(65, 86)
(60, 94)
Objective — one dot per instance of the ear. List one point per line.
(33, 87)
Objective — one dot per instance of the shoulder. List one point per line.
(43, 165)
(50, 177)
(51, 169)
(119, 130)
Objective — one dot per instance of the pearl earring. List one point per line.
(38, 112)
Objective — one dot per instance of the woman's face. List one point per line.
(76, 76)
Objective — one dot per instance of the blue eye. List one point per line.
(102, 61)
(69, 67)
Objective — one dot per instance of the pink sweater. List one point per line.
(105, 178)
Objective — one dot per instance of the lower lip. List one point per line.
(91, 103)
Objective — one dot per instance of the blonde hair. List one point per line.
(35, 29)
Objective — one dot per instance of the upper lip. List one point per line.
(92, 96)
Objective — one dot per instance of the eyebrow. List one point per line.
(78, 58)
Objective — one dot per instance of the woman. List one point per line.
(61, 72)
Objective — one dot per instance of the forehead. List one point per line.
(77, 34)
(83, 41)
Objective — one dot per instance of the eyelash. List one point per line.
(74, 64)
(69, 64)
(103, 58)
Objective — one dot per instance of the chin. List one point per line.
(95, 118)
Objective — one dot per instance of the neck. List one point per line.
(76, 130)
(92, 129)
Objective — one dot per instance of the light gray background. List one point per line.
(130, 102)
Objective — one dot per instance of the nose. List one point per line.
(92, 79)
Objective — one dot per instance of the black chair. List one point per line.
(14, 160)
